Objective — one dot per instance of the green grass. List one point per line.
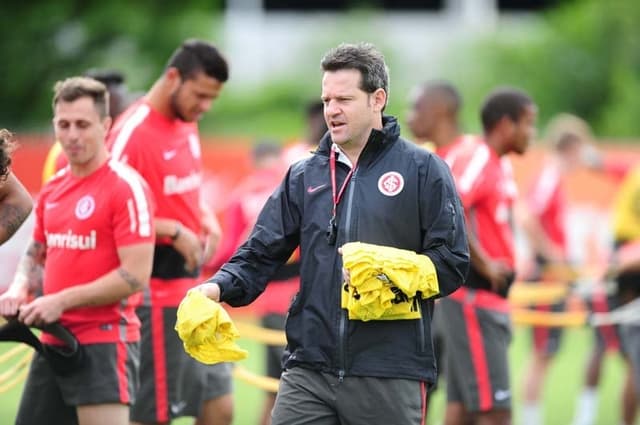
(562, 386)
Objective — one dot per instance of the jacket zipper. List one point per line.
(421, 339)
(342, 331)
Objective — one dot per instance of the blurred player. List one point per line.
(15, 200)
(316, 127)
(543, 220)
(477, 314)
(607, 338)
(433, 119)
(158, 136)
(91, 249)
(626, 271)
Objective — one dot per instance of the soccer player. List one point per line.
(626, 270)
(479, 332)
(91, 250)
(433, 120)
(433, 117)
(119, 99)
(158, 136)
(15, 201)
(543, 220)
(364, 183)
(607, 338)
(316, 127)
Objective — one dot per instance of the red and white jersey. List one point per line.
(547, 201)
(488, 191)
(296, 151)
(449, 153)
(166, 153)
(82, 222)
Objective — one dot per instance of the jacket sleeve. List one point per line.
(444, 238)
(273, 239)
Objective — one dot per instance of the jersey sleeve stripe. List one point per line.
(130, 124)
(543, 190)
(479, 159)
(142, 206)
(132, 216)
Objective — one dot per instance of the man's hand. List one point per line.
(188, 244)
(210, 290)
(12, 299)
(212, 232)
(41, 311)
(498, 274)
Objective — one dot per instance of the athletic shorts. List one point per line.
(274, 352)
(311, 397)
(173, 384)
(546, 340)
(110, 375)
(476, 357)
(630, 335)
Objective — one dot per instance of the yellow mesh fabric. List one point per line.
(206, 330)
(384, 282)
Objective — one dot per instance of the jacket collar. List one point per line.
(378, 140)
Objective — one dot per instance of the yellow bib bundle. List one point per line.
(206, 330)
(384, 282)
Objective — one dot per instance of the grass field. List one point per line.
(562, 387)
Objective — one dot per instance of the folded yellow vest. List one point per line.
(384, 282)
(206, 330)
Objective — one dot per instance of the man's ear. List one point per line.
(172, 75)
(505, 126)
(106, 124)
(379, 100)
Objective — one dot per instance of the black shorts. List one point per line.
(110, 375)
(546, 340)
(476, 356)
(173, 384)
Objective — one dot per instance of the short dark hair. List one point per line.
(74, 88)
(501, 102)
(195, 56)
(314, 107)
(446, 91)
(363, 57)
(7, 146)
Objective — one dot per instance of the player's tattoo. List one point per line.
(134, 283)
(31, 266)
(11, 218)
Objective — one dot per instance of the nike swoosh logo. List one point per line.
(312, 189)
(167, 155)
(501, 395)
(50, 205)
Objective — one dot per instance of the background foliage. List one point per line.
(582, 56)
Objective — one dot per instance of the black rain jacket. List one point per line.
(426, 216)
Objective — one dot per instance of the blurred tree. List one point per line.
(583, 58)
(44, 41)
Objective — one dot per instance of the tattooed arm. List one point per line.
(131, 276)
(27, 280)
(15, 206)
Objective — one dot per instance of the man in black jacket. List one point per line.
(364, 183)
